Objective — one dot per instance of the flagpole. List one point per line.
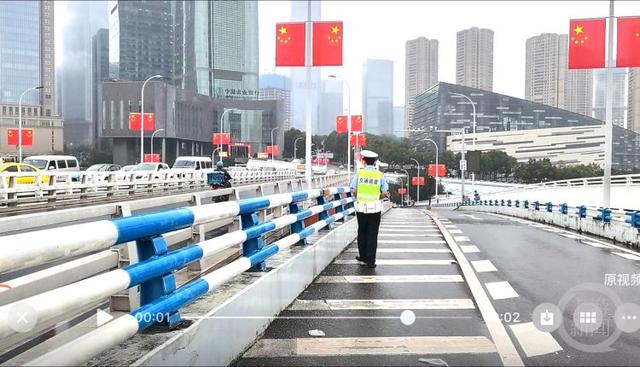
(308, 56)
(608, 140)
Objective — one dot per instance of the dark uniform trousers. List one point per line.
(368, 226)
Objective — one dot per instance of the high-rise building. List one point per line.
(549, 81)
(299, 13)
(474, 58)
(633, 100)
(420, 73)
(84, 18)
(277, 87)
(141, 41)
(377, 96)
(100, 67)
(398, 121)
(216, 48)
(619, 96)
(331, 105)
(28, 61)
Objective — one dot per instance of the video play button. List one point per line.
(22, 317)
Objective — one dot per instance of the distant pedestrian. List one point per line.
(369, 186)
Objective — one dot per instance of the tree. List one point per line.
(289, 138)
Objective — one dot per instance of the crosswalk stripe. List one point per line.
(382, 234)
(501, 290)
(455, 231)
(383, 226)
(533, 341)
(482, 266)
(399, 262)
(383, 304)
(461, 238)
(469, 249)
(390, 279)
(410, 241)
(399, 345)
(408, 250)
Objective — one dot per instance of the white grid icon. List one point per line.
(588, 317)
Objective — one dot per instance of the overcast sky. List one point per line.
(379, 29)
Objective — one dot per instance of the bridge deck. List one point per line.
(359, 309)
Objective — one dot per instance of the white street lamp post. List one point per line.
(417, 186)
(20, 121)
(142, 115)
(221, 130)
(152, 135)
(435, 145)
(473, 106)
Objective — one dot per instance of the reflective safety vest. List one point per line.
(368, 185)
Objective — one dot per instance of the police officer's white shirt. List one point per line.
(372, 206)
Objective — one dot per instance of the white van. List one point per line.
(188, 163)
(64, 163)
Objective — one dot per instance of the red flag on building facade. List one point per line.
(628, 50)
(341, 124)
(27, 137)
(587, 43)
(290, 44)
(327, 43)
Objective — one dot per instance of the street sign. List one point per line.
(473, 159)
(262, 155)
(463, 164)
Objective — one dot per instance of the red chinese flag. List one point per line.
(356, 123)
(417, 181)
(290, 41)
(341, 124)
(587, 43)
(155, 157)
(361, 140)
(27, 137)
(12, 136)
(327, 43)
(402, 190)
(134, 121)
(149, 122)
(431, 170)
(226, 139)
(628, 53)
(272, 149)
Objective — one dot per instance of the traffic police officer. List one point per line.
(369, 187)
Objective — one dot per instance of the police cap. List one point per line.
(368, 154)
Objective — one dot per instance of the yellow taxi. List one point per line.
(22, 167)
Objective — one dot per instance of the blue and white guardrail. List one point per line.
(154, 273)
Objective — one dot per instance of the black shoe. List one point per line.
(358, 258)
(371, 266)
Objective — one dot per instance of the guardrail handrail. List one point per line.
(46, 245)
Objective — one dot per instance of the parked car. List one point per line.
(142, 169)
(22, 167)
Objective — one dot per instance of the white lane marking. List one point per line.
(382, 234)
(627, 256)
(396, 345)
(594, 244)
(483, 266)
(408, 250)
(405, 226)
(553, 230)
(383, 304)
(501, 290)
(390, 279)
(569, 235)
(472, 216)
(533, 341)
(469, 249)
(410, 242)
(461, 238)
(399, 262)
(504, 345)
(455, 231)
(450, 226)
